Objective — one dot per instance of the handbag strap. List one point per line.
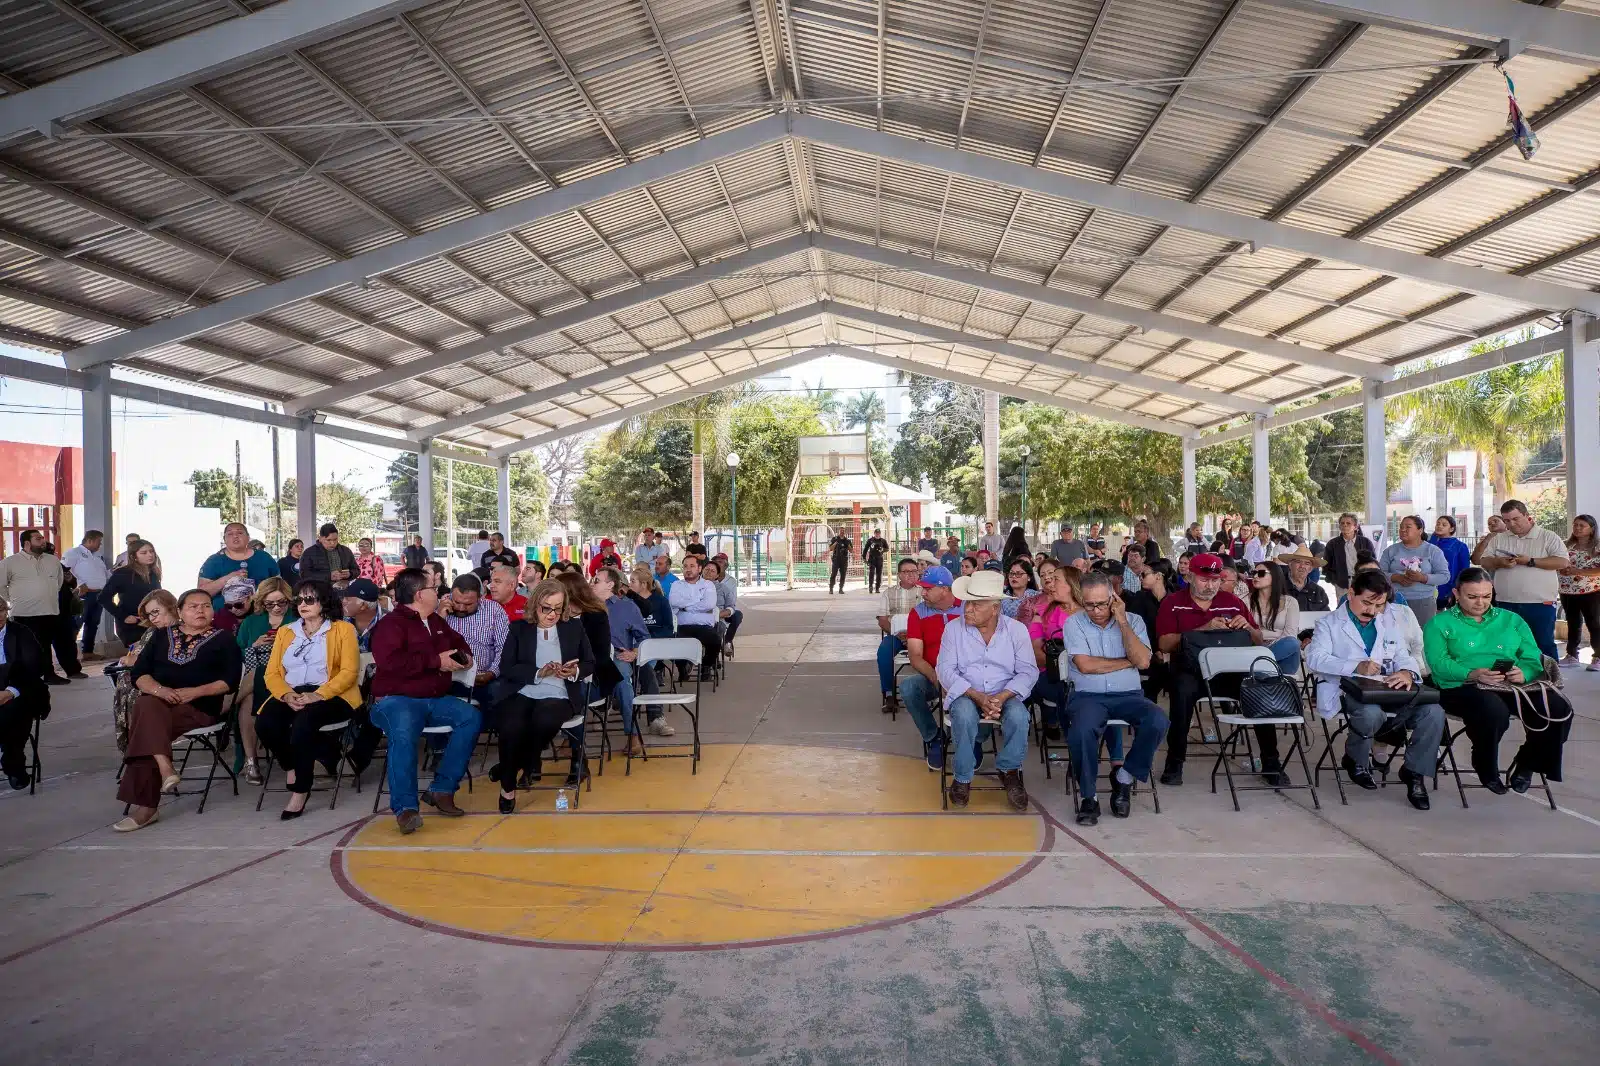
(1522, 698)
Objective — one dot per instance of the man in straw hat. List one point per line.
(987, 669)
(1299, 562)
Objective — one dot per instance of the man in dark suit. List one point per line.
(23, 696)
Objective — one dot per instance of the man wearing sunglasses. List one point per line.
(1105, 648)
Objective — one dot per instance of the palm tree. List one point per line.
(1502, 414)
(826, 402)
(864, 409)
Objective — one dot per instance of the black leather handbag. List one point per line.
(1266, 693)
(1372, 690)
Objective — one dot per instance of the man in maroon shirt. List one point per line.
(415, 653)
(1204, 606)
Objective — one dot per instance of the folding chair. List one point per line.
(946, 771)
(657, 649)
(36, 766)
(902, 662)
(1447, 761)
(1215, 662)
(383, 770)
(334, 731)
(211, 739)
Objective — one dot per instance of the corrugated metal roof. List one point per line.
(456, 108)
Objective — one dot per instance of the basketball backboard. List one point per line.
(833, 455)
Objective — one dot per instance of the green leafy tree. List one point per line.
(477, 496)
(344, 505)
(217, 488)
(936, 439)
(1503, 414)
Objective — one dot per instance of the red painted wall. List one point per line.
(40, 474)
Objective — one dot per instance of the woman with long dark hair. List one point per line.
(1278, 613)
(1580, 590)
(314, 677)
(127, 588)
(1016, 545)
(1021, 585)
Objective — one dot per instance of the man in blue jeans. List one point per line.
(986, 667)
(924, 633)
(898, 599)
(1106, 647)
(415, 652)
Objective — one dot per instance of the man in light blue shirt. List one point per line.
(1105, 648)
(986, 668)
(664, 575)
(693, 600)
(1416, 568)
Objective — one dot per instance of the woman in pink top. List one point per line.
(1580, 590)
(1048, 613)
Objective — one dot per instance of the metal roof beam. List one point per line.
(1194, 217)
(187, 60)
(625, 366)
(666, 400)
(928, 370)
(1549, 34)
(1155, 321)
(431, 244)
(1422, 379)
(554, 323)
(1076, 366)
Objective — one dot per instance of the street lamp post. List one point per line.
(733, 502)
(1024, 451)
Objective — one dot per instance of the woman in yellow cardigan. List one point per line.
(314, 678)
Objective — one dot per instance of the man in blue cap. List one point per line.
(924, 631)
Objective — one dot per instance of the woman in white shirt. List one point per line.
(1277, 613)
(314, 677)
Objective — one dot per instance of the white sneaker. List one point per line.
(1570, 660)
(660, 728)
(1594, 667)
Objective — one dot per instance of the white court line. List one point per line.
(1508, 854)
(755, 852)
(42, 782)
(1540, 800)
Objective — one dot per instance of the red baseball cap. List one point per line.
(1207, 564)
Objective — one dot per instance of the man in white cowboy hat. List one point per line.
(1299, 562)
(986, 667)
(925, 559)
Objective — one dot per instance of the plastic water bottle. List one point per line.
(561, 799)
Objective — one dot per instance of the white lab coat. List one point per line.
(1337, 649)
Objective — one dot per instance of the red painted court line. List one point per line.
(137, 907)
(1295, 992)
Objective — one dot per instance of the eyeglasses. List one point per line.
(1096, 605)
(308, 598)
(550, 608)
(277, 603)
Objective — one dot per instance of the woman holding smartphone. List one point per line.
(537, 687)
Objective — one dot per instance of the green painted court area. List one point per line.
(1366, 933)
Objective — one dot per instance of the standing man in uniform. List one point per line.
(839, 561)
(874, 550)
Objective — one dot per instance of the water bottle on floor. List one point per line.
(561, 799)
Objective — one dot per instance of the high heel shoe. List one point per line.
(287, 815)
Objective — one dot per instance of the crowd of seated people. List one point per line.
(1121, 630)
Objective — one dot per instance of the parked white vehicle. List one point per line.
(455, 564)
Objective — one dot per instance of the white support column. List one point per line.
(1261, 472)
(1189, 507)
(1581, 369)
(98, 487)
(1376, 463)
(305, 480)
(425, 495)
(991, 457)
(504, 485)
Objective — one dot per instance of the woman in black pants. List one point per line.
(314, 676)
(1580, 590)
(537, 688)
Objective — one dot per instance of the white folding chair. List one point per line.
(1216, 662)
(657, 649)
(335, 730)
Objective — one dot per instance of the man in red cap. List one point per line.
(1204, 605)
(606, 556)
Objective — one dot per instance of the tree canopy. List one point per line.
(477, 495)
(217, 488)
(344, 505)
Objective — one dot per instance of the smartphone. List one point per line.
(1502, 665)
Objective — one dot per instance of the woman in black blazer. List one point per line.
(537, 688)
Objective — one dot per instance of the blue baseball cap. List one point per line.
(936, 577)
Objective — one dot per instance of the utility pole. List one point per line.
(238, 479)
(277, 498)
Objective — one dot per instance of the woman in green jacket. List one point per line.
(1464, 646)
(270, 607)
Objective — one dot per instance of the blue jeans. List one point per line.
(624, 693)
(1055, 690)
(1286, 650)
(1541, 618)
(888, 648)
(917, 692)
(1089, 711)
(402, 718)
(964, 731)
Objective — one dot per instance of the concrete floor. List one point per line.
(1359, 933)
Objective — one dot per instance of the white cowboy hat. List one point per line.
(1300, 552)
(927, 556)
(983, 585)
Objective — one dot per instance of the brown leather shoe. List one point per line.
(960, 792)
(408, 821)
(444, 803)
(1016, 794)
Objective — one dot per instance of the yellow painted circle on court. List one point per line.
(766, 843)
